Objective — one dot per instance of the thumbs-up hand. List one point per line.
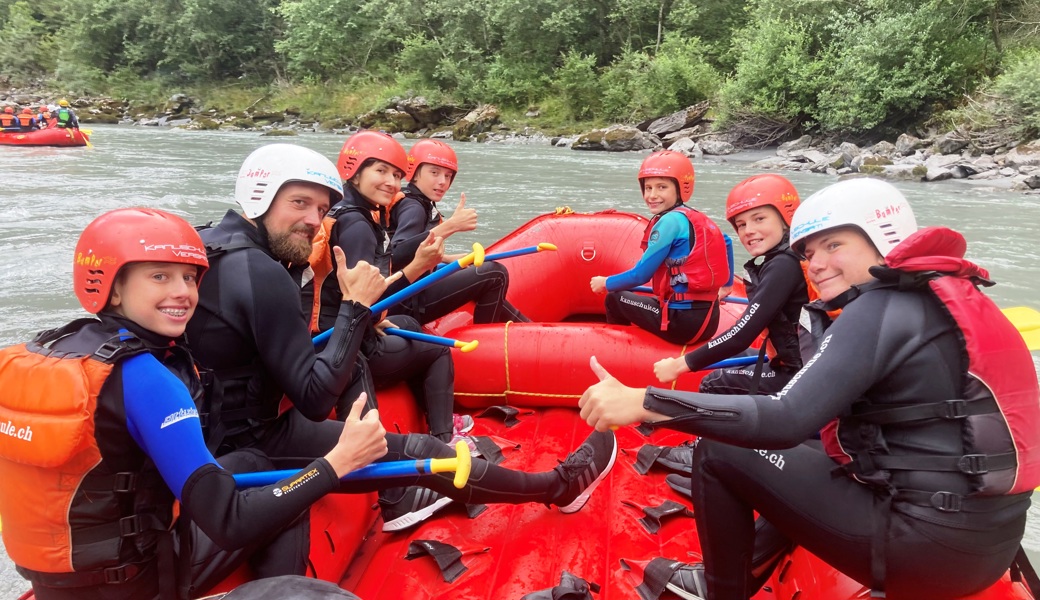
(609, 404)
(463, 219)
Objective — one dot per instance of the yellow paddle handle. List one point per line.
(461, 465)
(466, 346)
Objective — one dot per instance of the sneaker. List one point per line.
(679, 458)
(461, 424)
(585, 468)
(687, 582)
(469, 442)
(417, 505)
(682, 484)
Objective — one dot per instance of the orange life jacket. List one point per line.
(49, 454)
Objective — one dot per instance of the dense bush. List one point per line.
(833, 65)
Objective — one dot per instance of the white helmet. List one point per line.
(268, 168)
(874, 206)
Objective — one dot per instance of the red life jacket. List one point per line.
(705, 270)
(1001, 407)
(25, 119)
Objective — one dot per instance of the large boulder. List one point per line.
(949, 143)
(717, 147)
(1024, 155)
(687, 117)
(906, 144)
(801, 143)
(479, 120)
(430, 116)
(883, 148)
(616, 138)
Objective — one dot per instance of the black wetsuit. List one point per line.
(250, 319)
(887, 347)
(776, 291)
(428, 368)
(411, 220)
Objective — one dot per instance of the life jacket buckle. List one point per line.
(946, 501)
(120, 574)
(108, 350)
(955, 409)
(973, 464)
(125, 482)
(130, 526)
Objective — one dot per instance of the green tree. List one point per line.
(25, 46)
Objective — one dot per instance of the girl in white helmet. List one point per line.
(928, 401)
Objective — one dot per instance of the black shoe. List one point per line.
(679, 458)
(687, 582)
(682, 484)
(417, 505)
(584, 468)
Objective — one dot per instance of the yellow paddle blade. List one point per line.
(1027, 321)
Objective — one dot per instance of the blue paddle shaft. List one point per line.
(736, 361)
(401, 295)
(501, 255)
(420, 337)
(372, 471)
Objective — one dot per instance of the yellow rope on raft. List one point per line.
(564, 210)
(509, 387)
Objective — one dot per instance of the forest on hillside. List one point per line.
(840, 66)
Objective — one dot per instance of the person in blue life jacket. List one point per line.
(9, 120)
(252, 339)
(685, 257)
(100, 519)
(432, 167)
(64, 117)
(928, 401)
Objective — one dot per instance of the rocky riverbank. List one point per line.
(934, 157)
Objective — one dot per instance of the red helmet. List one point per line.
(673, 165)
(9, 110)
(130, 235)
(27, 111)
(434, 152)
(364, 145)
(769, 189)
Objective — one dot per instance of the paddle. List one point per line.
(1027, 321)
(460, 465)
(432, 339)
(511, 253)
(473, 258)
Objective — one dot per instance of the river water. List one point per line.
(50, 194)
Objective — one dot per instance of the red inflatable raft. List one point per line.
(52, 136)
(506, 552)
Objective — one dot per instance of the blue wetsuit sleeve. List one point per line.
(163, 420)
(729, 258)
(663, 237)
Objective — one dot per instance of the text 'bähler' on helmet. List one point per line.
(129, 235)
(671, 164)
(432, 152)
(876, 207)
(768, 189)
(364, 145)
(268, 168)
